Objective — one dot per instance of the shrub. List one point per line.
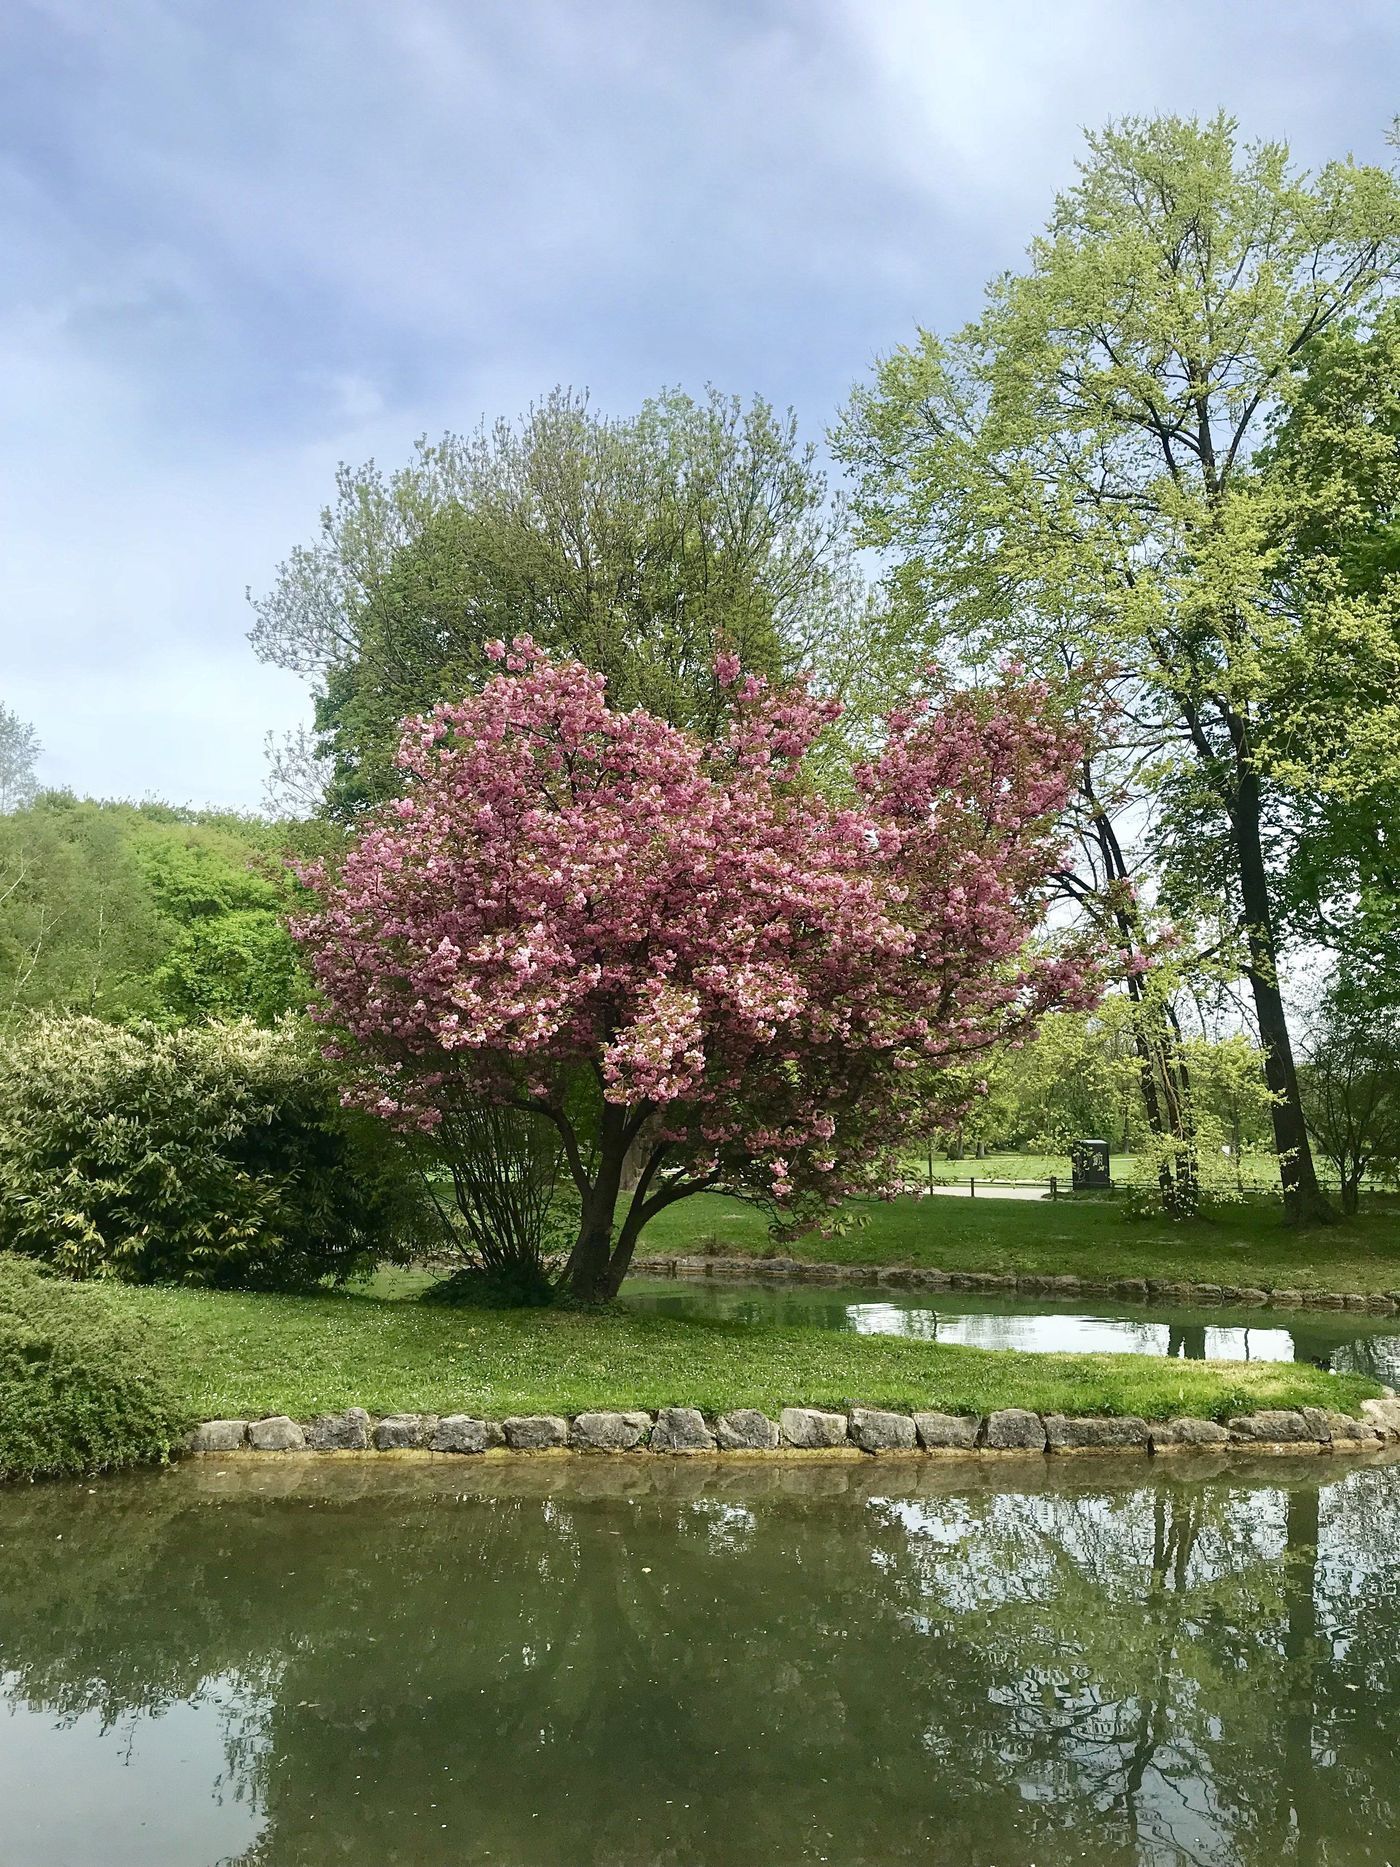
(520, 1284)
(216, 1155)
(81, 1388)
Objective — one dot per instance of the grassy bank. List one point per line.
(1238, 1244)
(249, 1355)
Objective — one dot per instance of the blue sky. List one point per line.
(243, 242)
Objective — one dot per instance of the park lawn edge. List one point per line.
(1234, 1246)
(246, 1356)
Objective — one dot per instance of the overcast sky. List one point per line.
(243, 242)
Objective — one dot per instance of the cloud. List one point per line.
(243, 243)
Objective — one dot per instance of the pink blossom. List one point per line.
(781, 987)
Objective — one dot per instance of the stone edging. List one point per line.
(685, 1430)
(1125, 1289)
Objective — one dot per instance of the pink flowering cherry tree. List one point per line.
(758, 988)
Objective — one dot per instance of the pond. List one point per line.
(620, 1662)
(1347, 1341)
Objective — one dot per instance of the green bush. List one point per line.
(216, 1154)
(81, 1389)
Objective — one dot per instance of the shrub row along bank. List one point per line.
(685, 1430)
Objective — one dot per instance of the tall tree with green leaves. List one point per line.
(144, 911)
(19, 755)
(639, 545)
(1334, 733)
(1082, 477)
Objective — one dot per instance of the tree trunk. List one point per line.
(587, 1275)
(1303, 1199)
(1168, 1104)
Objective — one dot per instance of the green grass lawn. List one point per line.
(242, 1356)
(1239, 1244)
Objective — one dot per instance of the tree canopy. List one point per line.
(755, 987)
(125, 910)
(1084, 476)
(19, 755)
(641, 546)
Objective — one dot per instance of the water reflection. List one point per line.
(627, 1661)
(1347, 1342)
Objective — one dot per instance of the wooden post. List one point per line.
(972, 1187)
(930, 1166)
(1054, 1187)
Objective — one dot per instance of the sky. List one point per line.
(242, 243)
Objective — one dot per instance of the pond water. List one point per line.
(637, 1663)
(1347, 1341)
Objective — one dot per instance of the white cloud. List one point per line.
(242, 243)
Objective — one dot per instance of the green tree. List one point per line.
(126, 910)
(1350, 1080)
(1082, 476)
(1334, 735)
(79, 929)
(639, 545)
(19, 753)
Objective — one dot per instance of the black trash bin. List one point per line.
(1088, 1164)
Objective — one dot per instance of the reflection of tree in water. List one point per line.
(1187, 1341)
(1377, 1356)
(600, 1664)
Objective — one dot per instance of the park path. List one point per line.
(987, 1189)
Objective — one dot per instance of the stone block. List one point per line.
(746, 1430)
(1339, 1428)
(1013, 1430)
(1384, 1415)
(535, 1432)
(810, 1429)
(339, 1432)
(403, 1432)
(609, 1432)
(875, 1431)
(1275, 1426)
(1077, 1435)
(219, 1436)
(276, 1434)
(463, 1432)
(1170, 1435)
(681, 1429)
(947, 1432)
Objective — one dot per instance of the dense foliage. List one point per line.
(19, 753)
(639, 545)
(82, 1387)
(214, 1155)
(758, 986)
(128, 911)
(1090, 473)
(1350, 1077)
